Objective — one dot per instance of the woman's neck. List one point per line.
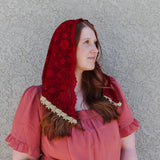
(79, 80)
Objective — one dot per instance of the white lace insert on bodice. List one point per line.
(80, 105)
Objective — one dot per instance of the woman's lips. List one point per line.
(92, 58)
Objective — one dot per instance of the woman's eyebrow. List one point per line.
(88, 38)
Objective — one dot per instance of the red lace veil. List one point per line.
(58, 79)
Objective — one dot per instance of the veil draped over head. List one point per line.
(58, 79)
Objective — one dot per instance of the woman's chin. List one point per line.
(90, 68)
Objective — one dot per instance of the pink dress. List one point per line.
(98, 142)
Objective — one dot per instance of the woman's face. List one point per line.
(87, 51)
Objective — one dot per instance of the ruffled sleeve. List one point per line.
(25, 134)
(127, 123)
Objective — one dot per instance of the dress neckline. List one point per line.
(87, 114)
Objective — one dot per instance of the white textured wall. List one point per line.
(129, 31)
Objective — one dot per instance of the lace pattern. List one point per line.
(58, 79)
(54, 109)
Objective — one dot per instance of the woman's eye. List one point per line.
(87, 41)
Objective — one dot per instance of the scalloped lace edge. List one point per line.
(54, 109)
(119, 104)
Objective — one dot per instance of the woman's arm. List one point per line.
(22, 156)
(128, 150)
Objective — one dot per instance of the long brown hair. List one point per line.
(93, 84)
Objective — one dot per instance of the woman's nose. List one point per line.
(94, 49)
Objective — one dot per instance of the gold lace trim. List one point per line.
(54, 109)
(59, 112)
(110, 100)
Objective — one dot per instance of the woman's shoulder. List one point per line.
(30, 99)
(111, 81)
(29, 105)
(109, 78)
(35, 89)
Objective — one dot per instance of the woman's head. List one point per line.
(87, 46)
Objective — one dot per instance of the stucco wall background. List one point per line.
(129, 32)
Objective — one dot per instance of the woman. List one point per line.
(78, 113)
